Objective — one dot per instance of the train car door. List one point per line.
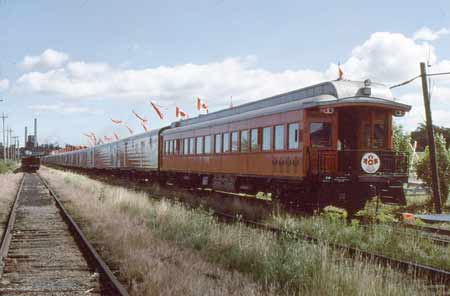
(321, 141)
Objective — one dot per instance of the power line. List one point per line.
(415, 77)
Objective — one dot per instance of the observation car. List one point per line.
(327, 144)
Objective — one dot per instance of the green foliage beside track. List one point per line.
(7, 166)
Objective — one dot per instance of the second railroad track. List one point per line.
(43, 251)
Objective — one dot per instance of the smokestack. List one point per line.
(35, 132)
(26, 137)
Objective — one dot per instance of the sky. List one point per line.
(76, 64)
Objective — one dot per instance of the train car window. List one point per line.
(254, 133)
(379, 135)
(199, 145)
(279, 137)
(244, 141)
(266, 138)
(366, 133)
(293, 139)
(172, 147)
(320, 134)
(192, 146)
(186, 146)
(226, 142)
(207, 144)
(166, 147)
(218, 143)
(234, 141)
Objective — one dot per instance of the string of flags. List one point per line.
(201, 106)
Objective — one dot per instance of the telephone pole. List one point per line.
(4, 143)
(14, 156)
(431, 142)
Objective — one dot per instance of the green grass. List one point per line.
(291, 266)
(7, 166)
(406, 244)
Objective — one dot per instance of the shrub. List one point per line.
(443, 160)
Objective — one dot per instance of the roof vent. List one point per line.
(366, 90)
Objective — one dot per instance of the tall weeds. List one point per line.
(279, 265)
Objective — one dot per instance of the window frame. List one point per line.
(257, 140)
(236, 150)
(218, 136)
(297, 134)
(205, 145)
(270, 129)
(202, 144)
(283, 148)
(241, 133)
(226, 136)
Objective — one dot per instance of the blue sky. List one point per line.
(76, 64)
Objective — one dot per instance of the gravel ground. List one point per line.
(9, 184)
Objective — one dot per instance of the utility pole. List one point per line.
(4, 143)
(431, 142)
(8, 139)
(14, 157)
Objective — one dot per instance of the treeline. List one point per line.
(420, 136)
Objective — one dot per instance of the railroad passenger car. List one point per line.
(329, 143)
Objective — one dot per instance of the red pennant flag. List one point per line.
(157, 110)
(201, 105)
(341, 73)
(141, 118)
(129, 129)
(116, 121)
(144, 126)
(180, 113)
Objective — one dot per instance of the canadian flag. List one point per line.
(129, 129)
(201, 105)
(157, 109)
(107, 139)
(139, 117)
(180, 113)
(144, 126)
(116, 121)
(116, 136)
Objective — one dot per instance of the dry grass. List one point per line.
(149, 265)
(9, 184)
(136, 232)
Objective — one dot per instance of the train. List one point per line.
(326, 144)
(30, 163)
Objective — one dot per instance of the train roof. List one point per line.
(331, 92)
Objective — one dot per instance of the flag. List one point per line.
(144, 126)
(129, 129)
(157, 110)
(107, 139)
(141, 118)
(94, 138)
(117, 137)
(116, 121)
(179, 113)
(341, 73)
(201, 105)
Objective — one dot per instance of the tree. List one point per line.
(420, 135)
(423, 167)
(401, 141)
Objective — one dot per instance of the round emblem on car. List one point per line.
(370, 163)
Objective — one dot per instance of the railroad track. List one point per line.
(437, 277)
(44, 252)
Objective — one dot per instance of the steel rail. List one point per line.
(85, 244)
(7, 235)
(433, 275)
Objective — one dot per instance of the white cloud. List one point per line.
(60, 108)
(383, 57)
(427, 34)
(4, 84)
(46, 60)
